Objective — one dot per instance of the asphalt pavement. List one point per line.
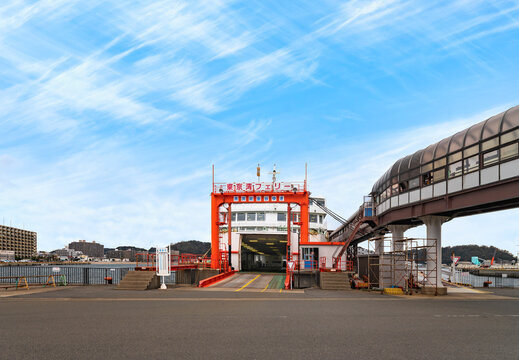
(99, 322)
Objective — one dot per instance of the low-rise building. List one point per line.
(124, 253)
(91, 249)
(67, 254)
(6, 255)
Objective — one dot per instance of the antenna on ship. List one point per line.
(258, 172)
(274, 173)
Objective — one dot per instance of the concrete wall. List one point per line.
(194, 276)
(307, 280)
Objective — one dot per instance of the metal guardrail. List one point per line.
(146, 261)
(465, 278)
(75, 275)
(23, 282)
(343, 265)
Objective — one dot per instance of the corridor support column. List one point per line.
(384, 264)
(379, 246)
(397, 234)
(397, 247)
(434, 254)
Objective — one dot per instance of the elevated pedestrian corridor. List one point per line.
(473, 171)
(256, 282)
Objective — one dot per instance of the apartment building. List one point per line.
(22, 242)
(91, 249)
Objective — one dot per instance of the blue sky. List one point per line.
(113, 112)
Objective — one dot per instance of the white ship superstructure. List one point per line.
(259, 236)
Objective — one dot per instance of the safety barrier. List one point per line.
(343, 265)
(214, 279)
(322, 262)
(146, 261)
(224, 262)
(306, 265)
(19, 280)
(74, 274)
(393, 291)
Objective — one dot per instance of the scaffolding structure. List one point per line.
(407, 263)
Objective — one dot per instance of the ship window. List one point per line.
(509, 152)
(251, 198)
(455, 157)
(511, 136)
(251, 216)
(490, 157)
(313, 218)
(258, 198)
(414, 183)
(261, 216)
(240, 216)
(471, 151)
(243, 198)
(490, 144)
(455, 169)
(321, 217)
(233, 217)
(470, 164)
(282, 216)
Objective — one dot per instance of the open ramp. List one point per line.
(251, 282)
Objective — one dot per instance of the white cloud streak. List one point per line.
(90, 79)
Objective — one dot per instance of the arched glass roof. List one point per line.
(510, 119)
(442, 148)
(404, 164)
(486, 129)
(474, 134)
(492, 126)
(456, 142)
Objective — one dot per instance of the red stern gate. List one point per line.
(253, 193)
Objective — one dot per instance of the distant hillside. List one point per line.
(468, 251)
(191, 247)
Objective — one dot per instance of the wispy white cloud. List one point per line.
(220, 91)
(15, 14)
(112, 113)
(182, 24)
